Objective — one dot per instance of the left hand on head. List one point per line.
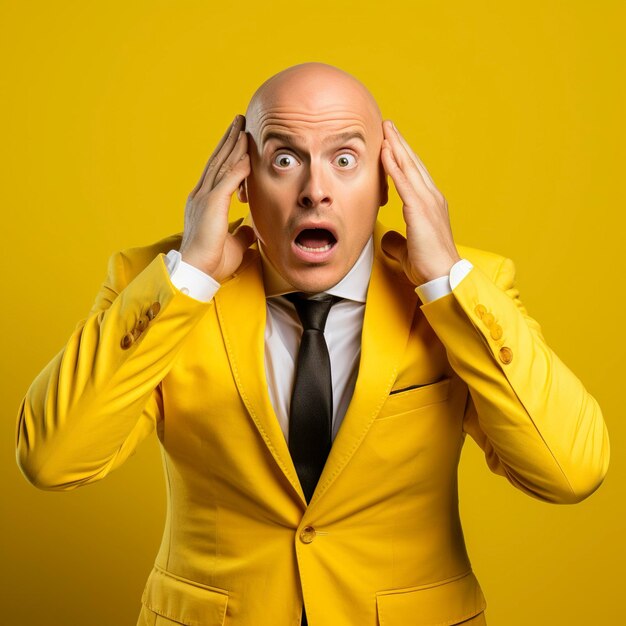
(428, 251)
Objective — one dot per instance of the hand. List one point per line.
(428, 251)
(206, 243)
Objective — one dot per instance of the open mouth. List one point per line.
(315, 240)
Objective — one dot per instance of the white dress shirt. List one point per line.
(283, 328)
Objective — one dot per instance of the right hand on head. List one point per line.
(206, 243)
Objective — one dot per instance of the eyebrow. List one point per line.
(335, 139)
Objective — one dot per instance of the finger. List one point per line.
(425, 173)
(223, 153)
(239, 121)
(240, 148)
(220, 154)
(231, 179)
(428, 179)
(231, 131)
(206, 167)
(214, 176)
(404, 159)
(394, 134)
(408, 193)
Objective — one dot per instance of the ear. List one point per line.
(242, 192)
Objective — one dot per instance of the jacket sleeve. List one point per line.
(533, 418)
(97, 399)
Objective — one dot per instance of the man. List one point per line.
(419, 341)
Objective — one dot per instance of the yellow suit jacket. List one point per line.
(380, 543)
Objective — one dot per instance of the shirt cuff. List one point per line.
(442, 286)
(189, 279)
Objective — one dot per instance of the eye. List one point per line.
(285, 161)
(346, 160)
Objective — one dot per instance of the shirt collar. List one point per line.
(353, 286)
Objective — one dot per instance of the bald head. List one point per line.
(311, 91)
(316, 179)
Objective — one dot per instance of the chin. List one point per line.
(318, 280)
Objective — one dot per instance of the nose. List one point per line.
(315, 188)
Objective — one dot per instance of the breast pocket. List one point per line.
(454, 601)
(169, 599)
(412, 397)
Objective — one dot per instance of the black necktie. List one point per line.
(311, 412)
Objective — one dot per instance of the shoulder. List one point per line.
(489, 262)
(132, 261)
(128, 263)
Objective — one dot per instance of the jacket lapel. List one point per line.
(241, 310)
(389, 310)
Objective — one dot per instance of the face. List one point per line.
(316, 180)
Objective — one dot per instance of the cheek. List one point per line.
(261, 181)
(270, 194)
(366, 188)
(266, 197)
(364, 202)
(268, 204)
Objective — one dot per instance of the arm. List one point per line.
(533, 418)
(100, 396)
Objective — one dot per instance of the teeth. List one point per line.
(325, 248)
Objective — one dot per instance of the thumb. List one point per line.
(244, 236)
(393, 244)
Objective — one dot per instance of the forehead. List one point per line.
(328, 128)
(315, 112)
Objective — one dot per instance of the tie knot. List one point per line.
(312, 313)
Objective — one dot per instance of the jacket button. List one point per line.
(506, 354)
(307, 534)
(142, 323)
(127, 341)
(153, 311)
(488, 319)
(496, 332)
(480, 310)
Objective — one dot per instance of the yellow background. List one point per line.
(109, 111)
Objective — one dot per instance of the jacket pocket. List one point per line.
(440, 604)
(413, 397)
(183, 601)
